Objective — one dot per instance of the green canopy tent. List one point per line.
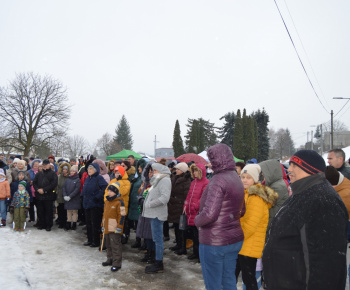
(237, 159)
(124, 154)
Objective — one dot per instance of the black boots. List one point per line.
(149, 257)
(107, 263)
(68, 226)
(137, 244)
(146, 257)
(74, 226)
(157, 267)
(175, 248)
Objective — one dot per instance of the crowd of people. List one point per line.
(287, 227)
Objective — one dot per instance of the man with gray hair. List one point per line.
(336, 158)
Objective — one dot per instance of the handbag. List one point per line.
(183, 222)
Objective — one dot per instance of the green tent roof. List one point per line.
(124, 154)
(237, 159)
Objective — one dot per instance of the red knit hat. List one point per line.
(120, 169)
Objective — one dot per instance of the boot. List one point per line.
(68, 226)
(137, 244)
(124, 239)
(175, 248)
(146, 257)
(3, 222)
(182, 250)
(152, 257)
(74, 226)
(143, 247)
(157, 267)
(192, 257)
(109, 262)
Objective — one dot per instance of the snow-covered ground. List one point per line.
(37, 259)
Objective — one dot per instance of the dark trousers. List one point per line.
(150, 245)
(31, 210)
(45, 213)
(126, 229)
(62, 215)
(93, 218)
(192, 233)
(248, 267)
(166, 229)
(81, 212)
(114, 249)
(179, 236)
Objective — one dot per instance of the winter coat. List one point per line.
(93, 189)
(156, 201)
(114, 215)
(258, 201)
(20, 199)
(14, 188)
(71, 188)
(306, 241)
(61, 180)
(14, 173)
(195, 192)
(5, 191)
(133, 212)
(124, 190)
(345, 171)
(343, 190)
(103, 169)
(222, 202)
(47, 180)
(273, 174)
(9, 173)
(144, 230)
(180, 184)
(131, 173)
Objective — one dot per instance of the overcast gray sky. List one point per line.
(158, 61)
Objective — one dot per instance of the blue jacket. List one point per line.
(94, 189)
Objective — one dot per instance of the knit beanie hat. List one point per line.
(114, 187)
(46, 161)
(333, 175)
(93, 167)
(253, 170)
(120, 169)
(309, 161)
(16, 160)
(51, 156)
(182, 166)
(22, 183)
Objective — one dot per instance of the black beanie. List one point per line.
(309, 161)
(332, 175)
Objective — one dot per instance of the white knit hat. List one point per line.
(182, 166)
(253, 170)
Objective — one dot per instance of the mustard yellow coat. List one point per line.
(258, 200)
(124, 190)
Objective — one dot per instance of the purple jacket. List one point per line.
(222, 202)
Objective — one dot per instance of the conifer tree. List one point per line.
(262, 120)
(123, 135)
(238, 147)
(178, 145)
(226, 132)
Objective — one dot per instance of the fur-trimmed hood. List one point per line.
(265, 192)
(200, 168)
(102, 165)
(60, 169)
(131, 170)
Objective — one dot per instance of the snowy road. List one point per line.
(58, 260)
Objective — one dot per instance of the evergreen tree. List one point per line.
(178, 145)
(123, 135)
(226, 132)
(291, 147)
(262, 120)
(238, 147)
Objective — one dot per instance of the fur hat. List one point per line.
(253, 170)
(333, 175)
(182, 166)
(309, 161)
(23, 183)
(120, 169)
(21, 162)
(16, 160)
(114, 187)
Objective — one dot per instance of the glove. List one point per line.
(12, 209)
(66, 198)
(118, 231)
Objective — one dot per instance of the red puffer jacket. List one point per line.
(194, 194)
(222, 202)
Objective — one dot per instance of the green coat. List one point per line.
(133, 213)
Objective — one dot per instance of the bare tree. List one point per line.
(107, 145)
(76, 145)
(31, 106)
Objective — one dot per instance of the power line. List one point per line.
(307, 57)
(341, 108)
(290, 37)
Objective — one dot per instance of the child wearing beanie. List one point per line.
(5, 193)
(112, 226)
(20, 203)
(258, 200)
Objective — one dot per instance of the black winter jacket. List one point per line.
(307, 239)
(47, 180)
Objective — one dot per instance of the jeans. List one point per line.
(218, 265)
(3, 209)
(157, 235)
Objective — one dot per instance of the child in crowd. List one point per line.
(5, 193)
(20, 203)
(113, 224)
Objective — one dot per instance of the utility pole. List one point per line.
(331, 129)
(155, 145)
